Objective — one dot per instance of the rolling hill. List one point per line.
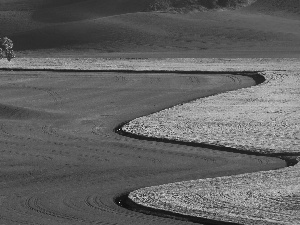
(126, 28)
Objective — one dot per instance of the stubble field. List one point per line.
(264, 119)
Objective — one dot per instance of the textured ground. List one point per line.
(266, 198)
(263, 119)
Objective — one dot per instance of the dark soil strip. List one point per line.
(252, 74)
(288, 157)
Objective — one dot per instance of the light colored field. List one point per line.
(262, 118)
(271, 197)
(167, 64)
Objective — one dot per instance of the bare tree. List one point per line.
(6, 50)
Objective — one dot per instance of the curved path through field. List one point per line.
(62, 163)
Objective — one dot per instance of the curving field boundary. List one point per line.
(62, 163)
(262, 119)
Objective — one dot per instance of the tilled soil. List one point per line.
(62, 163)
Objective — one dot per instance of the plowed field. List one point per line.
(61, 162)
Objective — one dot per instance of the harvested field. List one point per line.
(257, 198)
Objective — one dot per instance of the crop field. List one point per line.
(63, 163)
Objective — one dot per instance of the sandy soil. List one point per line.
(61, 162)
